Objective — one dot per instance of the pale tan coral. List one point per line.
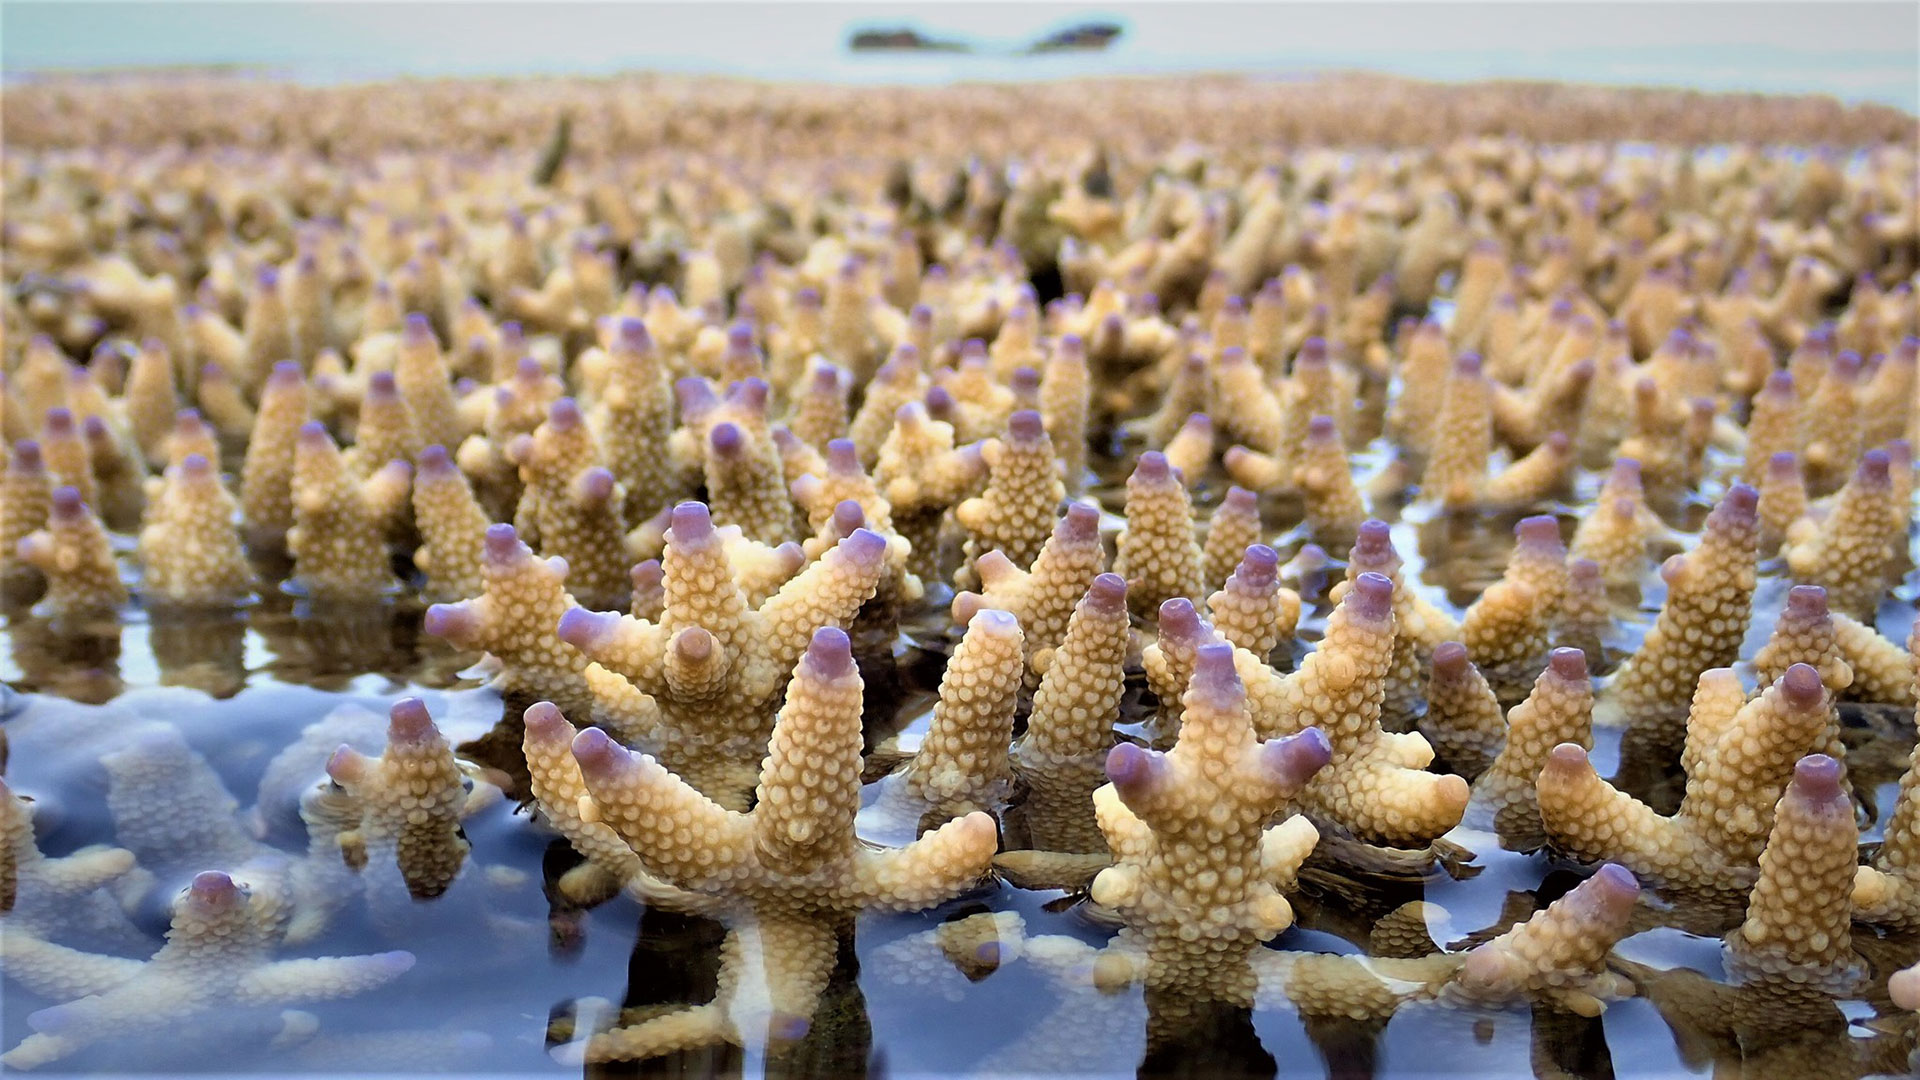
(1014, 515)
(1804, 634)
(26, 494)
(266, 477)
(190, 551)
(1736, 760)
(1887, 893)
(900, 382)
(1506, 633)
(216, 958)
(151, 399)
(1253, 610)
(633, 418)
(1853, 552)
(1062, 757)
(1464, 721)
(1158, 553)
(1247, 411)
(1043, 596)
(1559, 710)
(74, 554)
(452, 526)
(1773, 427)
(1584, 619)
(67, 454)
(1831, 416)
(1456, 469)
(1799, 921)
(1783, 501)
(1231, 528)
(338, 537)
(1419, 627)
(1709, 597)
(796, 851)
(1194, 861)
(1191, 450)
(921, 473)
(1065, 396)
(1334, 509)
(521, 600)
(1375, 787)
(385, 431)
(713, 665)
(574, 505)
(1559, 955)
(410, 800)
(962, 762)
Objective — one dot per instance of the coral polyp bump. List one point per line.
(1250, 549)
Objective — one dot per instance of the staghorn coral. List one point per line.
(217, 958)
(267, 474)
(573, 504)
(962, 762)
(1464, 721)
(1559, 955)
(410, 801)
(28, 491)
(1738, 756)
(1853, 552)
(1022, 496)
(1158, 553)
(73, 553)
(1558, 711)
(190, 552)
(338, 539)
(1798, 922)
(1194, 860)
(453, 528)
(713, 666)
(1041, 597)
(1887, 892)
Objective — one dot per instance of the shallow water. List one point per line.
(502, 974)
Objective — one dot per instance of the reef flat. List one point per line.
(1209, 575)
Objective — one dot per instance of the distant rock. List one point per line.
(1080, 37)
(901, 39)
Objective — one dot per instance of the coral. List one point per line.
(1852, 553)
(338, 539)
(573, 504)
(410, 801)
(217, 958)
(28, 495)
(1738, 757)
(1041, 597)
(1464, 721)
(1799, 919)
(453, 528)
(190, 552)
(266, 476)
(1194, 859)
(962, 762)
(73, 553)
(1559, 955)
(1559, 710)
(1158, 553)
(1023, 493)
(715, 667)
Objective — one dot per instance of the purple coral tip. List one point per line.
(545, 722)
(691, 523)
(940, 403)
(693, 645)
(727, 439)
(848, 516)
(1180, 623)
(864, 547)
(1807, 602)
(1239, 500)
(502, 543)
(1133, 769)
(648, 575)
(1259, 567)
(419, 328)
(285, 374)
(409, 721)
(1107, 595)
(213, 888)
(1467, 365)
(1025, 381)
(1740, 504)
(67, 504)
(750, 394)
(1612, 891)
(1816, 779)
(1874, 469)
(313, 435)
(1213, 671)
(1373, 543)
(827, 380)
(1312, 351)
(597, 484)
(598, 754)
(1449, 660)
(59, 423)
(994, 622)
(843, 457)
(381, 385)
(435, 461)
(1568, 664)
(1321, 430)
(1541, 531)
(1294, 759)
(451, 622)
(1152, 468)
(582, 628)
(1568, 757)
(1801, 687)
(27, 457)
(633, 334)
(196, 465)
(1784, 465)
(1025, 426)
(1372, 597)
(1080, 523)
(830, 654)
(564, 414)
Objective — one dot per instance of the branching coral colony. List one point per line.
(1275, 487)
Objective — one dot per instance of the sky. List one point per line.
(1857, 51)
